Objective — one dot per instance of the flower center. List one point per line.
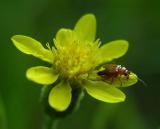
(76, 58)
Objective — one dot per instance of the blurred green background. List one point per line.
(137, 21)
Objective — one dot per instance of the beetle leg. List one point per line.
(120, 81)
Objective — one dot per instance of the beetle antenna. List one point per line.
(143, 82)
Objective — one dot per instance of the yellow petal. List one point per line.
(64, 37)
(123, 81)
(42, 75)
(60, 96)
(86, 27)
(31, 46)
(104, 92)
(113, 50)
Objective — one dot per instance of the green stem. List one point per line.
(3, 121)
(50, 122)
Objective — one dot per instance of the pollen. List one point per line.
(76, 58)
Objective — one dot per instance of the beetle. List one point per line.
(113, 71)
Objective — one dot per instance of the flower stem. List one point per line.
(50, 122)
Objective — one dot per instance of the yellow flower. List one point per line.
(74, 58)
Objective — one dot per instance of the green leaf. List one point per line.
(32, 47)
(113, 50)
(86, 27)
(104, 92)
(42, 75)
(60, 96)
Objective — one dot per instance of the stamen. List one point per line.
(76, 58)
